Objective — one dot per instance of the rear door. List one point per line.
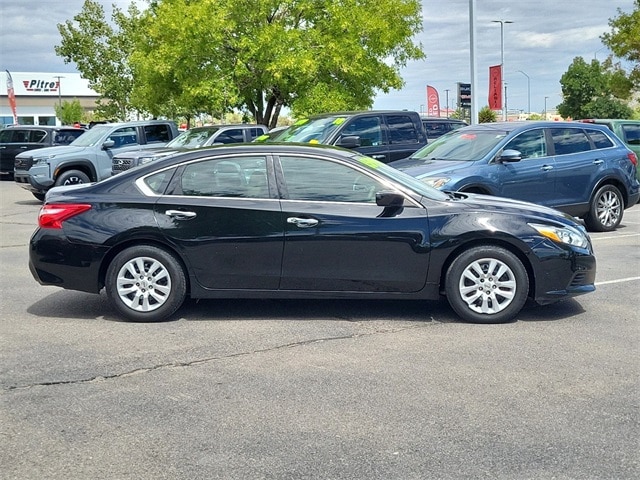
(17, 140)
(224, 216)
(406, 135)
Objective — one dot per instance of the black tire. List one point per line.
(39, 196)
(477, 295)
(156, 294)
(72, 177)
(606, 210)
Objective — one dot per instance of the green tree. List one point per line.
(307, 55)
(624, 40)
(69, 112)
(101, 52)
(594, 90)
(486, 115)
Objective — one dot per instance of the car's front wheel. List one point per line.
(146, 283)
(607, 207)
(487, 284)
(72, 177)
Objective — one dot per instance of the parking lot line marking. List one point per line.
(621, 280)
(616, 236)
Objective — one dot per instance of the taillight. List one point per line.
(52, 216)
(634, 158)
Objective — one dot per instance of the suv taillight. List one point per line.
(634, 158)
(52, 216)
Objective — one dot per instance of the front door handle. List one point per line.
(180, 214)
(546, 168)
(303, 222)
(378, 157)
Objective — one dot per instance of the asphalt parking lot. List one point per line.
(315, 389)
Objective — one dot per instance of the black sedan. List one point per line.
(294, 221)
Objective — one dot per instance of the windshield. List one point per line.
(316, 130)
(402, 178)
(195, 138)
(92, 137)
(462, 145)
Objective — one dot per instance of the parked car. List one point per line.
(87, 159)
(266, 220)
(627, 130)
(17, 139)
(438, 126)
(196, 137)
(581, 169)
(384, 135)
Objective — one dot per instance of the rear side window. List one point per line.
(569, 140)
(402, 129)
(37, 136)
(157, 133)
(631, 134)
(600, 140)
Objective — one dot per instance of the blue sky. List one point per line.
(542, 41)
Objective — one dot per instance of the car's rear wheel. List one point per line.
(146, 283)
(72, 177)
(607, 207)
(487, 285)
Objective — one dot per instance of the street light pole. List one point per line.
(545, 108)
(502, 23)
(528, 91)
(58, 77)
(447, 92)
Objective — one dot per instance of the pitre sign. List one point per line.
(35, 85)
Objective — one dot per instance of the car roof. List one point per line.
(44, 127)
(356, 112)
(511, 126)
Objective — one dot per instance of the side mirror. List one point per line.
(389, 199)
(510, 156)
(108, 144)
(350, 141)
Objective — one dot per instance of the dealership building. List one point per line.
(38, 93)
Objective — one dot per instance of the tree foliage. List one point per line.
(101, 52)
(308, 55)
(69, 112)
(594, 90)
(624, 40)
(486, 115)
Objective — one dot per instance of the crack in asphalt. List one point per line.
(138, 371)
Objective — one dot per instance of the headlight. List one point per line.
(42, 160)
(435, 182)
(568, 235)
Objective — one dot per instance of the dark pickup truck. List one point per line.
(16, 139)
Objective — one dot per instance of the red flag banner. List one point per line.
(495, 87)
(12, 97)
(433, 102)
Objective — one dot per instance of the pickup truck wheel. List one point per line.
(72, 177)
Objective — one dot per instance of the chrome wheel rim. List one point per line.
(608, 209)
(143, 284)
(487, 286)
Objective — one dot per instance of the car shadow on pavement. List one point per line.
(79, 305)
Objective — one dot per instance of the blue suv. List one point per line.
(581, 169)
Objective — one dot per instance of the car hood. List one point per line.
(428, 167)
(49, 151)
(485, 203)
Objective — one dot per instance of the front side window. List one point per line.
(401, 129)
(237, 177)
(232, 135)
(569, 140)
(314, 179)
(124, 137)
(5, 136)
(195, 138)
(530, 144)
(367, 128)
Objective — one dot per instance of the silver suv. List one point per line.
(88, 158)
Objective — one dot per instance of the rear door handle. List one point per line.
(378, 157)
(303, 222)
(180, 214)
